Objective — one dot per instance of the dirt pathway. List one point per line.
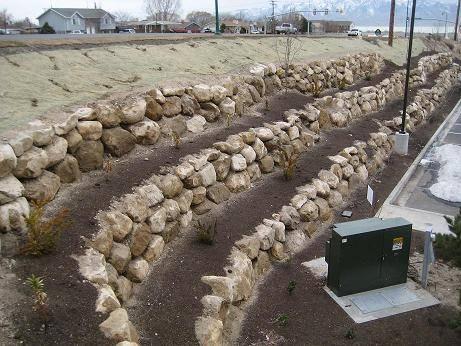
(73, 319)
(312, 316)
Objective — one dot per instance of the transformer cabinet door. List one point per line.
(396, 251)
(361, 256)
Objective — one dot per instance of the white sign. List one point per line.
(370, 195)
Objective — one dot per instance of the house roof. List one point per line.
(84, 12)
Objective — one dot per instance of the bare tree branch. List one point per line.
(163, 9)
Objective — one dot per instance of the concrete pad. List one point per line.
(384, 302)
(318, 267)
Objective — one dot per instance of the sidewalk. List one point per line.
(411, 197)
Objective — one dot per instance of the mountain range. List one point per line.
(371, 12)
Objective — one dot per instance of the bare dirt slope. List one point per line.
(64, 77)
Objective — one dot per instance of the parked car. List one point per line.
(286, 28)
(354, 32)
(78, 32)
(207, 31)
(127, 31)
(255, 32)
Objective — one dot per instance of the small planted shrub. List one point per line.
(455, 323)
(288, 163)
(176, 139)
(291, 287)
(44, 234)
(350, 334)
(282, 320)
(40, 305)
(316, 89)
(447, 246)
(107, 167)
(206, 231)
(368, 76)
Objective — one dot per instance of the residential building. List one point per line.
(90, 20)
(329, 26)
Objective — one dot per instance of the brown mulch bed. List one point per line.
(313, 317)
(73, 320)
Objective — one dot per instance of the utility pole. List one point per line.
(446, 21)
(407, 19)
(218, 29)
(457, 21)
(402, 137)
(390, 41)
(272, 2)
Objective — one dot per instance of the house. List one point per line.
(329, 26)
(149, 26)
(235, 26)
(91, 20)
(186, 27)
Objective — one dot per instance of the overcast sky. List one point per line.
(33, 8)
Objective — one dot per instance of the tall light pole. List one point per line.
(390, 41)
(457, 21)
(218, 29)
(407, 19)
(401, 138)
(446, 21)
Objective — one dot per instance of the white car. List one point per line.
(77, 32)
(354, 32)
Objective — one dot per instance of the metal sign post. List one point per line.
(428, 257)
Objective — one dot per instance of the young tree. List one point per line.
(163, 9)
(123, 17)
(201, 18)
(5, 18)
(47, 29)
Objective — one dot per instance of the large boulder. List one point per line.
(90, 130)
(266, 164)
(329, 177)
(108, 115)
(222, 166)
(10, 189)
(90, 155)
(202, 93)
(74, 139)
(170, 185)
(66, 123)
(68, 170)
(120, 256)
(196, 124)
(154, 110)
(13, 214)
(92, 266)
(140, 238)
(43, 188)
(218, 193)
(154, 249)
(147, 132)
(189, 105)
(133, 111)
(119, 224)
(151, 194)
(56, 151)
(227, 106)
(238, 163)
(118, 327)
(209, 331)
(172, 106)
(210, 111)
(31, 164)
(172, 209)
(118, 141)
(137, 270)
(184, 200)
(41, 134)
(208, 175)
(309, 211)
(106, 301)
(238, 182)
(21, 143)
(157, 220)
(8, 159)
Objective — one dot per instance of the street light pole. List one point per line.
(446, 21)
(407, 19)
(218, 29)
(401, 138)
(457, 21)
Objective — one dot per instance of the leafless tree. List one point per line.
(163, 9)
(123, 17)
(200, 17)
(287, 49)
(5, 18)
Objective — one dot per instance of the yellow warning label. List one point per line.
(397, 244)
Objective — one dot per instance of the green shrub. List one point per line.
(282, 320)
(44, 234)
(291, 286)
(47, 29)
(447, 246)
(40, 305)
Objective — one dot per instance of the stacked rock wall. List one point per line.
(310, 208)
(34, 163)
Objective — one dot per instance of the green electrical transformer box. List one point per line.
(364, 255)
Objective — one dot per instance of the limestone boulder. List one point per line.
(220, 285)
(90, 155)
(154, 248)
(264, 134)
(123, 288)
(210, 111)
(21, 143)
(74, 139)
(323, 189)
(170, 185)
(41, 134)
(31, 164)
(238, 163)
(254, 171)
(117, 223)
(325, 213)
(65, 123)
(106, 301)
(266, 164)
(184, 200)
(266, 236)
(289, 216)
(196, 124)
(329, 177)
(171, 231)
(90, 130)
(147, 132)
(43, 188)
(137, 270)
(172, 106)
(85, 113)
(56, 151)
(120, 256)
(154, 110)
(118, 141)
(118, 327)
(309, 211)
(140, 238)
(218, 193)
(8, 159)
(157, 220)
(238, 182)
(199, 195)
(222, 166)
(259, 148)
(202, 93)
(133, 110)
(102, 241)
(227, 106)
(172, 209)
(209, 331)
(249, 245)
(108, 115)
(309, 190)
(135, 207)
(335, 199)
(219, 93)
(151, 194)
(208, 175)
(10, 189)
(189, 105)
(92, 266)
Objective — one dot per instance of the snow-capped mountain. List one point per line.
(369, 12)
